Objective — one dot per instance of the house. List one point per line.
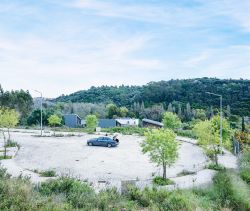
(72, 120)
(127, 122)
(106, 123)
(151, 123)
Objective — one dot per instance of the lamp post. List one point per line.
(210, 93)
(41, 107)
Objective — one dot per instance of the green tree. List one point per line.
(8, 119)
(207, 139)
(54, 120)
(226, 130)
(200, 114)
(171, 121)
(208, 133)
(162, 147)
(112, 110)
(91, 122)
(123, 111)
(11, 120)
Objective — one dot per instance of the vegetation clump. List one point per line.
(47, 173)
(162, 182)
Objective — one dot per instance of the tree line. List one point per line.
(236, 94)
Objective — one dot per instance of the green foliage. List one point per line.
(171, 121)
(245, 166)
(4, 157)
(161, 147)
(215, 167)
(12, 144)
(228, 192)
(91, 121)
(126, 130)
(77, 193)
(161, 181)
(226, 131)
(54, 120)
(200, 114)
(47, 173)
(231, 191)
(208, 133)
(235, 93)
(21, 101)
(160, 199)
(8, 118)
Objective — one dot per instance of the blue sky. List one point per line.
(62, 46)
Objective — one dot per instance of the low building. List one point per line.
(127, 122)
(151, 123)
(106, 123)
(72, 120)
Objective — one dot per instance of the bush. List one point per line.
(48, 173)
(11, 143)
(77, 193)
(245, 166)
(126, 130)
(177, 201)
(186, 133)
(2, 157)
(245, 175)
(216, 167)
(231, 191)
(161, 181)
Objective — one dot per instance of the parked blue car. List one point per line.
(102, 141)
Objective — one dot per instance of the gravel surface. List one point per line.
(100, 165)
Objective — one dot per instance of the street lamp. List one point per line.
(210, 93)
(41, 123)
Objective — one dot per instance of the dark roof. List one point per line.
(152, 122)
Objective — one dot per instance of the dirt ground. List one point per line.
(72, 156)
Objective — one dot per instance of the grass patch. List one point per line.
(126, 130)
(11, 143)
(47, 173)
(228, 192)
(185, 172)
(215, 167)
(161, 181)
(5, 157)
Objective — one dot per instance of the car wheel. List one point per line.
(109, 145)
(90, 144)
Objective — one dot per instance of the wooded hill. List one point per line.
(236, 94)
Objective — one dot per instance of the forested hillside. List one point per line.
(236, 94)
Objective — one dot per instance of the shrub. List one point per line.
(231, 191)
(176, 201)
(245, 166)
(5, 157)
(77, 193)
(245, 175)
(48, 173)
(126, 130)
(216, 167)
(11, 143)
(161, 181)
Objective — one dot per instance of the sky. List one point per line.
(62, 46)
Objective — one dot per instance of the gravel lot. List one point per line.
(71, 155)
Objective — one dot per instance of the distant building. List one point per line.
(106, 123)
(127, 122)
(72, 120)
(151, 123)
